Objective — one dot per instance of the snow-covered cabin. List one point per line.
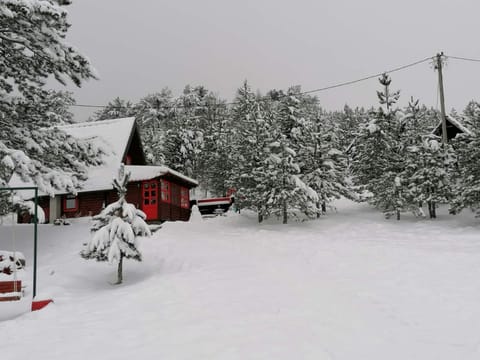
(454, 127)
(162, 193)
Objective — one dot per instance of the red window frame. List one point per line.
(184, 198)
(165, 191)
(70, 209)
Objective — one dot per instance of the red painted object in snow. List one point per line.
(13, 288)
(40, 304)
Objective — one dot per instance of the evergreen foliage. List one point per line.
(249, 151)
(428, 163)
(154, 114)
(287, 192)
(116, 229)
(377, 160)
(286, 156)
(115, 109)
(467, 176)
(33, 48)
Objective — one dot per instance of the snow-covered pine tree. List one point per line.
(213, 127)
(116, 229)
(154, 114)
(467, 177)
(185, 139)
(428, 164)
(376, 155)
(429, 167)
(471, 115)
(115, 109)
(325, 166)
(348, 123)
(286, 190)
(47, 155)
(33, 45)
(50, 110)
(217, 156)
(249, 153)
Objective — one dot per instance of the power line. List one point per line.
(346, 83)
(463, 58)
(369, 77)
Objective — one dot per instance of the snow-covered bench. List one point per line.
(11, 266)
(10, 290)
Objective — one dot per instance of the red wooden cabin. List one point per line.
(162, 193)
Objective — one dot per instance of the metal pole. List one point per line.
(442, 98)
(35, 222)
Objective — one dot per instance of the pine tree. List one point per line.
(428, 164)
(467, 176)
(33, 48)
(212, 162)
(325, 166)
(472, 115)
(287, 191)
(116, 229)
(249, 151)
(154, 114)
(348, 123)
(115, 109)
(377, 161)
(429, 167)
(217, 156)
(185, 139)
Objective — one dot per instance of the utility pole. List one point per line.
(438, 66)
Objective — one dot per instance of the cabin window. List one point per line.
(184, 198)
(165, 193)
(70, 203)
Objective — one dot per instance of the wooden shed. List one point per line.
(454, 127)
(162, 193)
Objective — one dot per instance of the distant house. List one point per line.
(162, 193)
(454, 127)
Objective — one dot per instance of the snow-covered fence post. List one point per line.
(116, 229)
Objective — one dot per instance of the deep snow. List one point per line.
(351, 285)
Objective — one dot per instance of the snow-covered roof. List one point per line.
(113, 136)
(454, 122)
(141, 172)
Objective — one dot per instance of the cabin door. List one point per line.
(150, 199)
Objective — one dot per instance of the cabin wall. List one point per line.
(133, 195)
(89, 204)
(172, 210)
(92, 203)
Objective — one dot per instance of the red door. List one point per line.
(150, 199)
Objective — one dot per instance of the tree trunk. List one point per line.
(431, 210)
(260, 217)
(324, 207)
(398, 214)
(318, 210)
(120, 271)
(285, 215)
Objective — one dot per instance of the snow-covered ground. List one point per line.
(351, 285)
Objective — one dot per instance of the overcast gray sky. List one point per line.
(139, 47)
